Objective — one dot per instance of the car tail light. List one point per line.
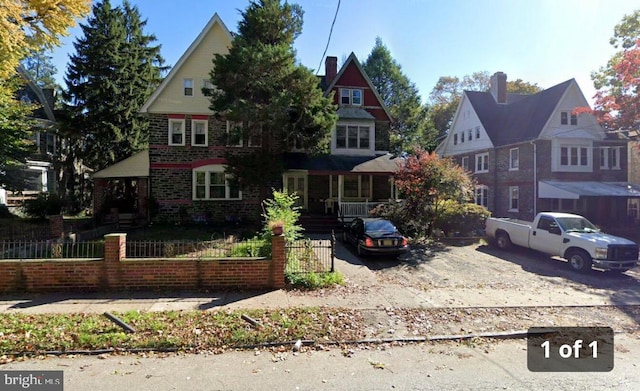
(404, 241)
(368, 242)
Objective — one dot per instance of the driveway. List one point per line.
(477, 275)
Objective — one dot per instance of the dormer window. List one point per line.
(352, 137)
(351, 96)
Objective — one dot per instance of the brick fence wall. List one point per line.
(115, 272)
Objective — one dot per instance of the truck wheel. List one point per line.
(503, 241)
(579, 260)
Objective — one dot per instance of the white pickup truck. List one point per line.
(569, 236)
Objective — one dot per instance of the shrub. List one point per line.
(45, 204)
(465, 219)
(282, 209)
(252, 248)
(5, 213)
(314, 280)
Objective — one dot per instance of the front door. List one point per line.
(297, 183)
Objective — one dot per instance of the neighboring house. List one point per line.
(39, 171)
(187, 144)
(533, 153)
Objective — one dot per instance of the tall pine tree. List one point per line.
(401, 96)
(113, 71)
(260, 84)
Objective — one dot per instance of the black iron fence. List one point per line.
(254, 248)
(311, 256)
(29, 249)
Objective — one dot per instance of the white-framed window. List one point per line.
(357, 186)
(482, 195)
(212, 183)
(50, 140)
(455, 139)
(482, 162)
(477, 132)
(465, 163)
(567, 117)
(352, 137)
(199, 133)
(564, 118)
(470, 132)
(514, 159)
(610, 158)
(176, 131)
(514, 198)
(462, 136)
(207, 85)
(187, 85)
(574, 156)
(351, 96)
(234, 134)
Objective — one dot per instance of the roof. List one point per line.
(382, 164)
(214, 20)
(353, 59)
(347, 112)
(575, 190)
(522, 119)
(43, 96)
(135, 166)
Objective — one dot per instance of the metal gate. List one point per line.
(311, 256)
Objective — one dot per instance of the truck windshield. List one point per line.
(576, 224)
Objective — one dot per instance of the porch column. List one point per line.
(392, 196)
(340, 188)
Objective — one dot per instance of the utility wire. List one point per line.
(329, 39)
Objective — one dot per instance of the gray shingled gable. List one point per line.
(521, 120)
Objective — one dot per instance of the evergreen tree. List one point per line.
(410, 123)
(260, 84)
(16, 130)
(39, 64)
(111, 74)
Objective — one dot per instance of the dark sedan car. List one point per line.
(375, 236)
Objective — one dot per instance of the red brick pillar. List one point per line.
(115, 250)
(56, 225)
(278, 260)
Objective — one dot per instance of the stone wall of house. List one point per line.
(171, 174)
(500, 178)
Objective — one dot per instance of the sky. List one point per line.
(545, 42)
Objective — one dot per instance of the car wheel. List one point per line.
(359, 250)
(579, 260)
(503, 241)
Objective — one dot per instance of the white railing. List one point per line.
(357, 209)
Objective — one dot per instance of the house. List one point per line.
(187, 145)
(38, 172)
(532, 153)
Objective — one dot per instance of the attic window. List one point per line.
(350, 96)
(188, 87)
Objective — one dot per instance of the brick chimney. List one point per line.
(498, 85)
(330, 69)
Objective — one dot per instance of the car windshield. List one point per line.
(576, 224)
(379, 226)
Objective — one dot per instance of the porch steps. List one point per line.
(320, 223)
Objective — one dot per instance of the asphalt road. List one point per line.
(482, 365)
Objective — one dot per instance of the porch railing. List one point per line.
(356, 209)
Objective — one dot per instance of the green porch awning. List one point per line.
(341, 164)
